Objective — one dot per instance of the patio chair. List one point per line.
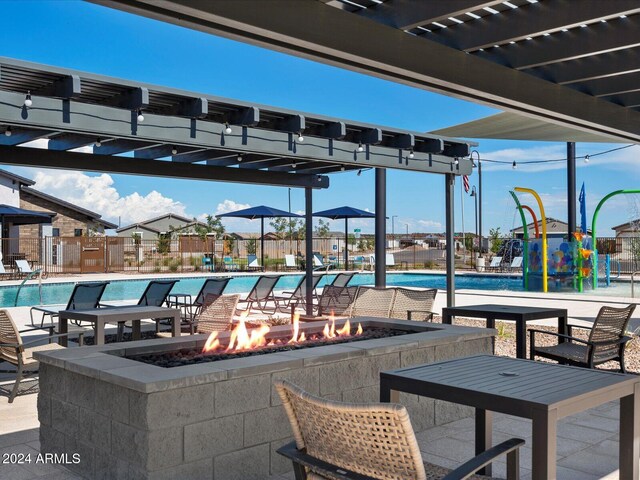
(229, 264)
(389, 260)
(342, 279)
(299, 295)
(154, 295)
(261, 294)
(516, 263)
(253, 263)
(336, 300)
(211, 286)
(372, 302)
(606, 342)
(411, 304)
(23, 268)
(367, 441)
(318, 263)
(4, 275)
(495, 263)
(84, 296)
(20, 354)
(216, 314)
(290, 262)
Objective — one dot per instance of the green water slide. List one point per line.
(525, 252)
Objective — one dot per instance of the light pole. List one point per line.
(289, 220)
(407, 229)
(478, 164)
(393, 231)
(475, 211)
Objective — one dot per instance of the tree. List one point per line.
(163, 244)
(496, 240)
(252, 246)
(280, 227)
(322, 229)
(212, 225)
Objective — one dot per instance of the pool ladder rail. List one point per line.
(29, 276)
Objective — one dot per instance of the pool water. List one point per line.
(58, 293)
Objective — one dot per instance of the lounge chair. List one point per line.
(191, 308)
(318, 264)
(290, 262)
(229, 264)
(390, 260)
(336, 300)
(16, 352)
(342, 279)
(253, 263)
(409, 304)
(23, 268)
(516, 263)
(495, 263)
(216, 314)
(338, 440)
(372, 302)
(154, 295)
(84, 296)
(261, 294)
(606, 342)
(299, 295)
(4, 275)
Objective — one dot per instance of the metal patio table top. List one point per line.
(539, 391)
(132, 313)
(521, 315)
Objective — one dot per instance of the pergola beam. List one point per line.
(31, 157)
(22, 135)
(529, 21)
(69, 141)
(132, 99)
(248, 117)
(67, 87)
(610, 85)
(307, 28)
(115, 147)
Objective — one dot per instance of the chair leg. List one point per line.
(623, 369)
(120, 333)
(14, 392)
(299, 471)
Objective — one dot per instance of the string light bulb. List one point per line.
(8, 132)
(227, 128)
(97, 143)
(239, 158)
(140, 116)
(174, 150)
(586, 159)
(293, 165)
(411, 155)
(342, 169)
(456, 161)
(514, 165)
(300, 138)
(27, 100)
(360, 147)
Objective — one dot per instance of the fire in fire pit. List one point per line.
(243, 342)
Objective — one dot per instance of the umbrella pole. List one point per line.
(262, 244)
(346, 244)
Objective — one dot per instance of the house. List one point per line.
(629, 229)
(153, 228)
(555, 229)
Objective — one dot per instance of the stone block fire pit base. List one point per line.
(220, 420)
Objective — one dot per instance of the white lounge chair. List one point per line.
(23, 267)
(253, 263)
(390, 260)
(516, 263)
(290, 262)
(495, 263)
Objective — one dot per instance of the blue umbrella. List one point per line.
(260, 212)
(20, 216)
(345, 213)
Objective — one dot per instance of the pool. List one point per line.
(58, 293)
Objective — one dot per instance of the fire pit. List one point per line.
(165, 409)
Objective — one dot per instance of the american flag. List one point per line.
(465, 183)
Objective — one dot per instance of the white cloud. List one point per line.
(98, 194)
(430, 225)
(227, 206)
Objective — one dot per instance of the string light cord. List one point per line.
(557, 160)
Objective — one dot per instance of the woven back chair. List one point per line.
(217, 313)
(606, 342)
(372, 302)
(375, 441)
(336, 300)
(413, 304)
(13, 351)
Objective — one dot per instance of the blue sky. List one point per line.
(87, 37)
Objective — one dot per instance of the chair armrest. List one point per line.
(50, 328)
(560, 335)
(9, 345)
(49, 337)
(429, 313)
(316, 465)
(43, 309)
(485, 458)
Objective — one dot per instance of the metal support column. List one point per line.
(308, 241)
(381, 227)
(571, 187)
(480, 205)
(450, 252)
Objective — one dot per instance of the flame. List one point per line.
(212, 343)
(296, 329)
(359, 331)
(345, 330)
(302, 337)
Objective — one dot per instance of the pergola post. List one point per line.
(308, 239)
(381, 227)
(450, 252)
(571, 187)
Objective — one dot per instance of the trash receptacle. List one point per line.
(480, 264)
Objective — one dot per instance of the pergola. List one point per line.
(573, 63)
(141, 129)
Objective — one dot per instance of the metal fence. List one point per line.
(60, 255)
(624, 253)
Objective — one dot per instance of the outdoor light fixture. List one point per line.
(514, 166)
(97, 143)
(239, 158)
(140, 116)
(174, 150)
(27, 100)
(300, 138)
(293, 165)
(586, 159)
(342, 169)
(359, 172)
(7, 132)
(456, 161)
(360, 147)
(227, 128)
(411, 153)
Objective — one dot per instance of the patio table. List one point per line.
(521, 315)
(132, 313)
(539, 391)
